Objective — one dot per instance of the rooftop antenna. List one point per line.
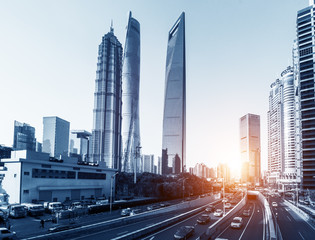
(111, 26)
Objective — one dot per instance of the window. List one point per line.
(26, 191)
(14, 175)
(26, 173)
(89, 175)
(46, 166)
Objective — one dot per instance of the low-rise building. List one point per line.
(32, 176)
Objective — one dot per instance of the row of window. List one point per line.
(43, 173)
(305, 51)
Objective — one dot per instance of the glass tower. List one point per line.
(130, 97)
(174, 119)
(106, 133)
(24, 137)
(305, 41)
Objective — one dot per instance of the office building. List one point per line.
(106, 133)
(24, 137)
(55, 136)
(174, 118)
(250, 148)
(306, 38)
(5, 152)
(148, 163)
(32, 176)
(130, 96)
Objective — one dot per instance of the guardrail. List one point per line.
(222, 223)
(131, 219)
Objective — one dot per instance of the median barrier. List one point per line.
(298, 211)
(270, 231)
(132, 219)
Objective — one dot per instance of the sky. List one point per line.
(234, 50)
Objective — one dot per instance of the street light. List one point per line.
(135, 165)
(111, 191)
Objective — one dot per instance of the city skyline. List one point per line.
(72, 72)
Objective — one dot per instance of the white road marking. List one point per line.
(289, 219)
(301, 236)
(248, 223)
(122, 233)
(152, 238)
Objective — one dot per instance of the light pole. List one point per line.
(135, 165)
(184, 189)
(111, 192)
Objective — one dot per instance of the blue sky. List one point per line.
(235, 50)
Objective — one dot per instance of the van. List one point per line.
(34, 209)
(52, 207)
(17, 211)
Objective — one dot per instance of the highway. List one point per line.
(253, 227)
(292, 226)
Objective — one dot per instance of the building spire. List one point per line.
(111, 26)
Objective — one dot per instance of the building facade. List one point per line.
(79, 143)
(305, 40)
(130, 96)
(250, 148)
(275, 132)
(24, 137)
(55, 136)
(174, 118)
(106, 133)
(32, 176)
(148, 163)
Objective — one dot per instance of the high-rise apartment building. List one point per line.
(305, 41)
(24, 137)
(282, 164)
(106, 133)
(55, 136)
(275, 132)
(250, 148)
(174, 118)
(148, 163)
(130, 96)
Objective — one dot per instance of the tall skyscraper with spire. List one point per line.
(130, 97)
(305, 40)
(174, 119)
(106, 134)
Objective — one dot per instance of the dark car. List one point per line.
(59, 228)
(184, 232)
(203, 219)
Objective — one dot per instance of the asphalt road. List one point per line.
(292, 226)
(252, 226)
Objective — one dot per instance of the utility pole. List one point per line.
(111, 191)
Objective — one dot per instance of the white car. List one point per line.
(274, 204)
(237, 222)
(227, 205)
(218, 213)
(6, 234)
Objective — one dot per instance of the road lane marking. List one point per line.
(247, 223)
(152, 238)
(301, 236)
(122, 233)
(289, 219)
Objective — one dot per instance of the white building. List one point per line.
(34, 176)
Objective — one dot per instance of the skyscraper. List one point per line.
(55, 136)
(24, 137)
(250, 148)
(282, 164)
(106, 134)
(130, 96)
(174, 119)
(306, 38)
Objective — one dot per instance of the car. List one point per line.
(184, 232)
(237, 222)
(224, 200)
(62, 227)
(246, 213)
(203, 219)
(6, 233)
(218, 213)
(274, 204)
(125, 212)
(227, 205)
(210, 208)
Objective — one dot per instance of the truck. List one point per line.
(17, 211)
(34, 209)
(52, 207)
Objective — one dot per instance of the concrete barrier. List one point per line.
(200, 203)
(298, 211)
